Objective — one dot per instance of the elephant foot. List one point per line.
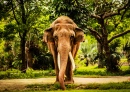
(69, 81)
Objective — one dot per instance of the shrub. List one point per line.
(11, 74)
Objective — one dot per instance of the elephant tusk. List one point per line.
(72, 61)
(58, 60)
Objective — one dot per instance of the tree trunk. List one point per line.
(24, 62)
(107, 55)
(111, 64)
(28, 54)
(23, 36)
(100, 59)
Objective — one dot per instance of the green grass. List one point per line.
(49, 87)
(94, 71)
(122, 90)
(95, 87)
(111, 90)
(90, 71)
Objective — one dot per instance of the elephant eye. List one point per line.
(55, 38)
(72, 37)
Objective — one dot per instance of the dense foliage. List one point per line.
(22, 23)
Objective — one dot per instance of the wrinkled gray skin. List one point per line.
(63, 39)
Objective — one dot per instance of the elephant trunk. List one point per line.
(63, 53)
(62, 62)
(71, 59)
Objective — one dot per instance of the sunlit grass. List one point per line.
(91, 68)
(95, 68)
(121, 90)
(81, 88)
(84, 71)
(94, 71)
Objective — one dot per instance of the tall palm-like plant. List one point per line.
(115, 55)
(89, 49)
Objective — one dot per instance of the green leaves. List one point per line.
(77, 10)
(9, 31)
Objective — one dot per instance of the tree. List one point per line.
(104, 13)
(26, 14)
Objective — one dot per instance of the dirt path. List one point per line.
(17, 84)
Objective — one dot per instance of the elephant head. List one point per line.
(63, 39)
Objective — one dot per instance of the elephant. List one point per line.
(63, 40)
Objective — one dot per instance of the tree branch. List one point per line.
(118, 35)
(95, 16)
(94, 33)
(23, 11)
(124, 14)
(20, 35)
(14, 13)
(110, 14)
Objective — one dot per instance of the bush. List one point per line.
(30, 73)
(90, 70)
(94, 70)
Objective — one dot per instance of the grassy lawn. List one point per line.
(90, 71)
(108, 87)
(121, 90)
(94, 71)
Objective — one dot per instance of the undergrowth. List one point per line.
(30, 73)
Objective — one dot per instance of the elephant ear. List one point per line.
(79, 35)
(48, 35)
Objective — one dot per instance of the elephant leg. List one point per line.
(69, 74)
(56, 68)
(75, 49)
(57, 72)
(54, 53)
